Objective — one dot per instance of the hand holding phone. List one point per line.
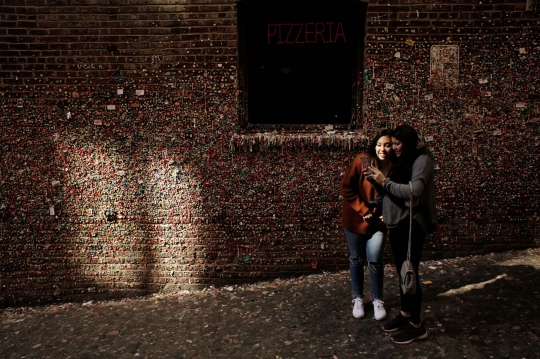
(366, 163)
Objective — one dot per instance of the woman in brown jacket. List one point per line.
(363, 226)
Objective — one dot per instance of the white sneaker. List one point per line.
(358, 308)
(378, 308)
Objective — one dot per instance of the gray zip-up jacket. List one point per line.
(423, 173)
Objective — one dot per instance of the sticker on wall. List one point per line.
(444, 65)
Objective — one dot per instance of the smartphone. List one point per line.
(365, 162)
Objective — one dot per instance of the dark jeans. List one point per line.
(399, 240)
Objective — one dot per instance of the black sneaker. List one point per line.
(410, 334)
(399, 322)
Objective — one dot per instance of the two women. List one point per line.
(415, 165)
(363, 227)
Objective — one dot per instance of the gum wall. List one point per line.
(124, 168)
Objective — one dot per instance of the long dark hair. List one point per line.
(371, 150)
(401, 171)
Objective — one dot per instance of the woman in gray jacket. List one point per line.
(415, 165)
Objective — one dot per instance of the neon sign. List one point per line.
(305, 33)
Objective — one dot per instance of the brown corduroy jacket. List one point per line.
(356, 192)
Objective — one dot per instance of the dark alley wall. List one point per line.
(124, 169)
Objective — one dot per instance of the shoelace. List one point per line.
(357, 302)
(379, 304)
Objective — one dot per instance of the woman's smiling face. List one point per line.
(383, 148)
(397, 146)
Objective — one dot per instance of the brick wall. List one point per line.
(123, 169)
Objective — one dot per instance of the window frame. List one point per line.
(357, 78)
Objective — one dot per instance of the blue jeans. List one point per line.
(366, 248)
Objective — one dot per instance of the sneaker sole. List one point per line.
(422, 337)
(393, 330)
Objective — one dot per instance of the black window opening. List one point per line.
(300, 62)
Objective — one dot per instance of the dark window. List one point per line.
(300, 61)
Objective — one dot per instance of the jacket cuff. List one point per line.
(364, 211)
